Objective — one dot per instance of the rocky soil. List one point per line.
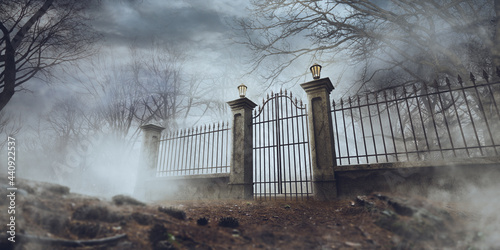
(49, 216)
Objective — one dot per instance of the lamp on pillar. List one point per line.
(321, 141)
(316, 71)
(241, 175)
(242, 89)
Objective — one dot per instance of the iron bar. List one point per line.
(401, 125)
(362, 128)
(354, 131)
(373, 132)
(390, 126)
(481, 108)
(470, 115)
(445, 119)
(381, 127)
(411, 120)
(345, 132)
(337, 131)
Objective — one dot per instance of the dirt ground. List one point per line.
(48, 216)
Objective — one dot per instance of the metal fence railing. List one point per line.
(194, 151)
(419, 122)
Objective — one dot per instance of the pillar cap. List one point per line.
(320, 84)
(152, 127)
(241, 103)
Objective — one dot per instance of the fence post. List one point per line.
(321, 138)
(148, 159)
(241, 176)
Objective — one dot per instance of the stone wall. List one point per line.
(194, 187)
(421, 178)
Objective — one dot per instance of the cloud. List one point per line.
(127, 22)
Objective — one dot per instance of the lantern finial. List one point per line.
(242, 89)
(316, 71)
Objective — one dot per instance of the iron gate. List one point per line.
(282, 166)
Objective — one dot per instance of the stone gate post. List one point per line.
(241, 176)
(148, 159)
(321, 138)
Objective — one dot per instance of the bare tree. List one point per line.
(397, 41)
(38, 35)
(169, 94)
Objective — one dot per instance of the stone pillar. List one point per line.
(241, 176)
(148, 159)
(321, 138)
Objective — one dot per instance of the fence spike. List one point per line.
(291, 96)
(459, 78)
(267, 96)
(296, 101)
(272, 94)
(486, 76)
(301, 104)
(342, 102)
(447, 81)
(285, 92)
(472, 78)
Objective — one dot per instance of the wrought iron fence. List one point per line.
(200, 150)
(281, 148)
(419, 122)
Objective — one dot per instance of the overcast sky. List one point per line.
(201, 28)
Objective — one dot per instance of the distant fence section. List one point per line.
(195, 151)
(281, 148)
(419, 122)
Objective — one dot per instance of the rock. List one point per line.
(413, 219)
(126, 200)
(352, 244)
(142, 219)
(202, 221)
(157, 233)
(96, 213)
(164, 244)
(84, 230)
(176, 213)
(228, 222)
